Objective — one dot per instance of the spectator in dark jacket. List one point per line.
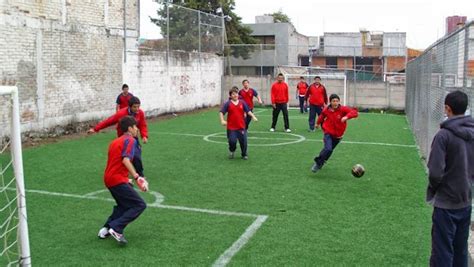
(451, 170)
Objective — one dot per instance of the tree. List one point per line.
(184, 27)
(280, 17)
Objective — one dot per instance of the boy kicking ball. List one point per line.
(129, 205)
(236, 111)
(333, 119)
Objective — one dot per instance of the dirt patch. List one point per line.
(79, 130)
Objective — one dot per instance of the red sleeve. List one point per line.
(108, 122)
(272, 93)
(142, 126)
(286, 93)
(350, 112)
(321, 116)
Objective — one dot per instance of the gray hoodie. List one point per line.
(451, 164)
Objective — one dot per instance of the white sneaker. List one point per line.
(119, 237)
(272, 129)
(103, 233)
(288, 130)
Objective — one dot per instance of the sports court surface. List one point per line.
(204, 209)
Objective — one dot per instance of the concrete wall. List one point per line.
(361, 94)
(191, 81)
(67, 59)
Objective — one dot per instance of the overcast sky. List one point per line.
(422, 20)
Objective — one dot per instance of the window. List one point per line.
(331, 62)
(303, 60)
(267, 40)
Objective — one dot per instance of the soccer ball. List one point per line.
(358, 170)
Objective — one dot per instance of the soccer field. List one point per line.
(206, 209)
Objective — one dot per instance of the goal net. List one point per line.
(14, 243)
(334, 83)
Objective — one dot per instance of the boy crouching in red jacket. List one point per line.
(333, 119)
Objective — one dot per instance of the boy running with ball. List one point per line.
(333, 119)
(236, 110)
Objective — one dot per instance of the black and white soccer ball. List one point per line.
(358, 170)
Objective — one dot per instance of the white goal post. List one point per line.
(16, 161)
(339, 87)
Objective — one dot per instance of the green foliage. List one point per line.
(280, 17)
(184, 29)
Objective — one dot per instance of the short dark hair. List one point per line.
(301, 77)
(127, 121)
(124, 86)
(234, 89)
(317, 77)
(280, 74)
(133, 100)
(457, 101)
(332, 96)
(245, 81)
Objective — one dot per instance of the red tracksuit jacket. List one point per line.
(114, 119)
(279, 93)
(317, 95)
(331, 119)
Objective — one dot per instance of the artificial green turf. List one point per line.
(327, 218)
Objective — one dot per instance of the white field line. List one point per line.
(96, 193)
(290, 139)
(225, 257)
(259, 111)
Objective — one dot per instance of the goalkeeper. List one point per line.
(129, 204)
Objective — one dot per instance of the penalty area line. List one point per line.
(223, 259)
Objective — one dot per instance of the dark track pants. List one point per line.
(233, 136)
(449, 235)
(276, 111)
(303, 107)
(129, 206)
(330, 144)
(314, 112)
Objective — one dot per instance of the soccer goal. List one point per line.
(335, 83)
(14, 246)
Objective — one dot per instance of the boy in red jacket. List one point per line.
(129, 205)
(123, 98)
(236, 110)
(317, 97)
(301, 89)
(333, 119)
(247, 94)
(133, 110)
(279, 95)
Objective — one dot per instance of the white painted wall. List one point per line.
(191, 81)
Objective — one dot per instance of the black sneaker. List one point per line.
(119, 237)
(315, 167)
(245, 157)
(231, 155)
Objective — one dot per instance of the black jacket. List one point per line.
(451, 164)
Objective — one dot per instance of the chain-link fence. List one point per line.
(446, 66)
(187, 30)
(357, 63)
